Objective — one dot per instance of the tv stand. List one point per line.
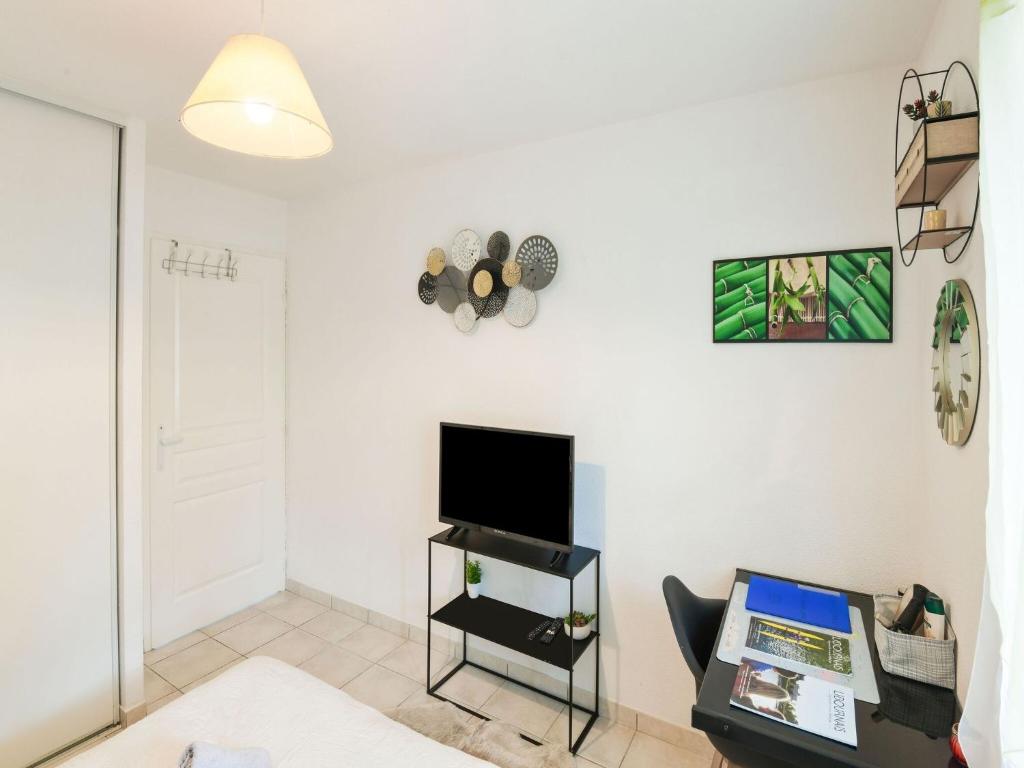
(455, 529)
(509, 625)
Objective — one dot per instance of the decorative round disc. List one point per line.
(427, 288)
(436, 261)
(451, 289)
(487, 304)
(498, 246)
(511, 273)
(491, 304)
(466, 249)
(483, 283)
(465, 317)
(539, 260)
(520, 306)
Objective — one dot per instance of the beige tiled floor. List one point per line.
(385, 670)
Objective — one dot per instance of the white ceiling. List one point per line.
(409, 82)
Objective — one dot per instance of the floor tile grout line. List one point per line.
(632, 737)
(162, 677)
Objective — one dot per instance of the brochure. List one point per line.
(819, 649)
(803, 701)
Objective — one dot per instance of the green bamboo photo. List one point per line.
(860, 296)
(741, 292)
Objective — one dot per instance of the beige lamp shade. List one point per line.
(255, 99)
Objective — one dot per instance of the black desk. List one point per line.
(888, 734)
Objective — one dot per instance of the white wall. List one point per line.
(198, 210)
(952, 515)
(800, 460)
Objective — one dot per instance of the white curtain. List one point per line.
(992, 730)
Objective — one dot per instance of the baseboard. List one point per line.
(674, 733)
(132, 715)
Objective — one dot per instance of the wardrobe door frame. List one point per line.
(117, 236)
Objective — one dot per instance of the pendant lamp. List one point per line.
(254, 99)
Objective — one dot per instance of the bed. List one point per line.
(298, 719)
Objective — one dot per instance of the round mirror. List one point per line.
(956, 362)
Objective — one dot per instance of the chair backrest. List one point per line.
(696, 621)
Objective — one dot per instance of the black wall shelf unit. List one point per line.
(508, 625)
(941, 151)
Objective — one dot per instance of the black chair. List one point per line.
(696, 621)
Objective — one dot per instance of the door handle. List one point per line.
(166, 440)
(163, 440)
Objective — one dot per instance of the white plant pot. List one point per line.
(473, 590)
(578, 633)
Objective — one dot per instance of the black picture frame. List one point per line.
(828, 254)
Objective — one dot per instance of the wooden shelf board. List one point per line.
(508, 625)
(942, 176)
(936, 238)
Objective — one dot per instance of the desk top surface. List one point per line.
(892, 733)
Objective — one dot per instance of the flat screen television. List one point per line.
(508, 483)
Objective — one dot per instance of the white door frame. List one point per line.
(148, 425)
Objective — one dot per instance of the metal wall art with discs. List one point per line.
(469, 286)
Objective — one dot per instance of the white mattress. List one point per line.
(263, 702)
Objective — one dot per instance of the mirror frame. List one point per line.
(948, 404)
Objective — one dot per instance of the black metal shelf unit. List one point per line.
(937, 175)
(507, 625)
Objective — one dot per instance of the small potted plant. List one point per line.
(578, 625)
(937, 106)
(917, 110)
(474, 573)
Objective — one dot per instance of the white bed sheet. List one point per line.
(263, 702)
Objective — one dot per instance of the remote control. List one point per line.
(539, 628)
(549, 636)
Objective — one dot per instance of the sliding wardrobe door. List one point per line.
(58, 654)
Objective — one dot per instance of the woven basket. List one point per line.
(918, 658)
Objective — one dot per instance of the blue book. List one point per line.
(789, 600)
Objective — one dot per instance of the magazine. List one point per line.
(803, 701)
(819, 649)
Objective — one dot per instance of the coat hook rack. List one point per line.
(227, 265)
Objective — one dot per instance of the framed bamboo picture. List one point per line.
(825, 296)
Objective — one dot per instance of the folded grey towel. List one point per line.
(201, 754)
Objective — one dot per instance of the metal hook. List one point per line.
(187, 260)
(206, 255)
(232, 272)
(170, 257)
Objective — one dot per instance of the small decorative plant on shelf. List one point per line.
(474, 573)
(933, 106)
(578, 625)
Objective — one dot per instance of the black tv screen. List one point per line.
(508, 483)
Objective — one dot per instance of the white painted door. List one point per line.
(58, 654)
(217, 527)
